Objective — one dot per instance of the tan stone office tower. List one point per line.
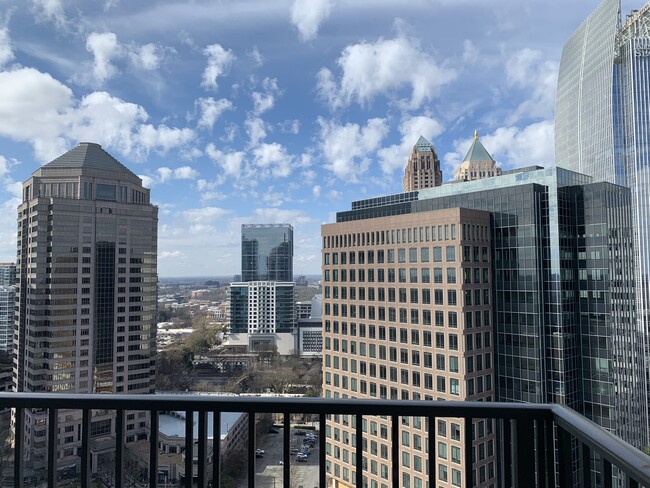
(86, 291)
(423, 167)
(407, 315)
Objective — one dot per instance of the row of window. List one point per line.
(444, 232)
(380, 256)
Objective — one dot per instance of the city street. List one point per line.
(269, 471)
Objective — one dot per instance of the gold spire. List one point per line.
(476, 135)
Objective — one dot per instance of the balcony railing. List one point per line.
(538, 442)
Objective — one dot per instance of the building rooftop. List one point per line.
(88, 155)
(477, 151)
(172, 424)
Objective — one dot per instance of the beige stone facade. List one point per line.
(423, 167)
(407, 315)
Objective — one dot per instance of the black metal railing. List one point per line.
(538, 442)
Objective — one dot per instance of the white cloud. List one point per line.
(256, 129)
(262, 102)
(231, 162)
(210, 110)
(528, 70)
(384, 67)
(411, 128)
(105, 49)
(6, 52)
(308, 15)
(171, 255)
(165, 174)
(347, 148)
(50, 11)
(274, 158)
(161, 137)
(219, 62)
(278, 215)
(316, 191)
(147, 57)
(205, 214)
(40, 110)
(256, 56)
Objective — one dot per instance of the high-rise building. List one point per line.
(86, 290)
(477, 163)
(543, 256)
(266, 252)
(423, 167)
(7, 295)
(262, 305)
(407, 315)
(7, 274)
(602, 119)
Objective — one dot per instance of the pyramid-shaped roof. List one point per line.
(477, 151)
(88, 155)
(423, 145)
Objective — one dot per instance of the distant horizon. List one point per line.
(220, 277)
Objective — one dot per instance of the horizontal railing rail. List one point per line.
(538, 439)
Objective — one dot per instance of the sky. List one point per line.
(272, 111)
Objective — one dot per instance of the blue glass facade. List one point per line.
(603, 102)
(267, 252)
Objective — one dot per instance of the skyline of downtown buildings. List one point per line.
(564, 382)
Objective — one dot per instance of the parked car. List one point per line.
(300, 432)
(273, 431)
(301, 459)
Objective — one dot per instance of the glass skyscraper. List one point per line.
(603, 119)
(267, 252)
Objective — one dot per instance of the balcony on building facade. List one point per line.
(538, 445)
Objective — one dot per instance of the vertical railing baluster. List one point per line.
(606, 469)
(286, 449)
(359, 450)
(53, 446)
(508, 469)
(549, 451)
(322, 439)
(19, 437)
(525, 451)
(119, 449)
(203, 452)
(565, 457)
(395, 443)
(189, 448)
(251, 450)
(216, 450)
(540, 452)
(432, 452)
(85, 448)
(585, 462)
(153, 450)
(469, 465)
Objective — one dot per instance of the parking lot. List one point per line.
(269, 471)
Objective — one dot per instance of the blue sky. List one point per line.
(272, 111)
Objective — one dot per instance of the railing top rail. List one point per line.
(606, 444)
(224, 403)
